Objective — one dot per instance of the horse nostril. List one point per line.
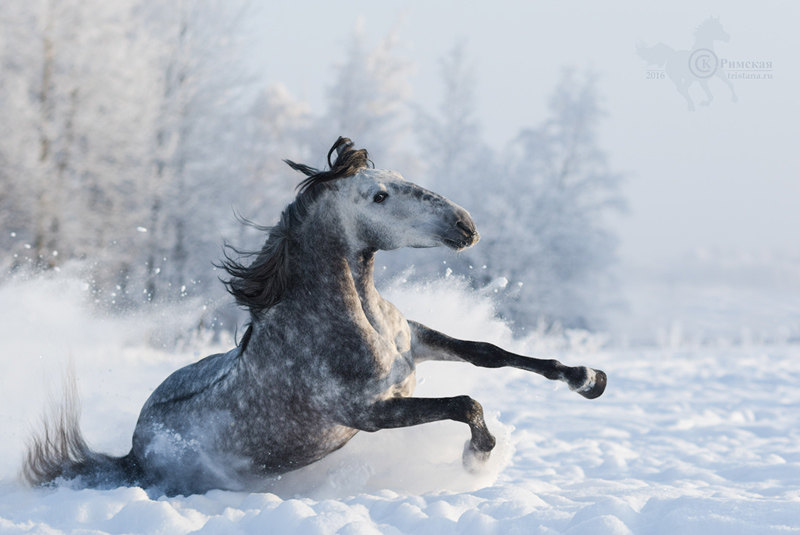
(465, 228)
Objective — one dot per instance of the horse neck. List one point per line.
(322, 262)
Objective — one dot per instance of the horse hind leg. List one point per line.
(480, 445)
(405, 412)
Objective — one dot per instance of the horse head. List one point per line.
(379, 210)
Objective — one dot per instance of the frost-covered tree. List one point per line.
(367, 98)
(541, 210)
(197, 138)
(68, 76)
(549, 233)
(18, 136)
(123, 142)
(452, 137)
(457, 160)
(279, 126)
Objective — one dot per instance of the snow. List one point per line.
(689, 438)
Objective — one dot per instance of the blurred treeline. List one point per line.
(132, 131)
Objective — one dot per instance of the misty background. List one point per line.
(132, 132)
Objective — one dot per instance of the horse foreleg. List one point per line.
(405, 412)
(428, 344)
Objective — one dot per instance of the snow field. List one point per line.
(685, 440)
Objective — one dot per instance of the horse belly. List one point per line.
(294, 452)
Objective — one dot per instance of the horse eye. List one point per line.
(380, 196)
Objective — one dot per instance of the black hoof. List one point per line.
(595, 390)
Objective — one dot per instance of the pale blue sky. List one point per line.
(726, 176)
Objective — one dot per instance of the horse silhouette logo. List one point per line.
(697, 64)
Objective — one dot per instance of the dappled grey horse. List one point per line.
(324, 356)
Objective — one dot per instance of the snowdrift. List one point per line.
(685, 440)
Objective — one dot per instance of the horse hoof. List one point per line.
(594, 386)
(472, 459)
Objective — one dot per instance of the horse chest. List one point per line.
(330, 353)
(375, 362)
(375, 357)
(392, 334)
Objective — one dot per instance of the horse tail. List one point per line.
(657, 54)
(59, 451)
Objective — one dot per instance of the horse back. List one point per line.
(193, 379)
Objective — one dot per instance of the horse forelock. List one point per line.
(260, 284)
(349, 161)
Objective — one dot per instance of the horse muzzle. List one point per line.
(462, 236)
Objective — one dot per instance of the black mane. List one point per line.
(259, 285)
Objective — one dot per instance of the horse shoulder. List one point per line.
(401, 379)
(398, 326)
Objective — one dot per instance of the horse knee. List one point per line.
(482, 440)
(470, 410)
